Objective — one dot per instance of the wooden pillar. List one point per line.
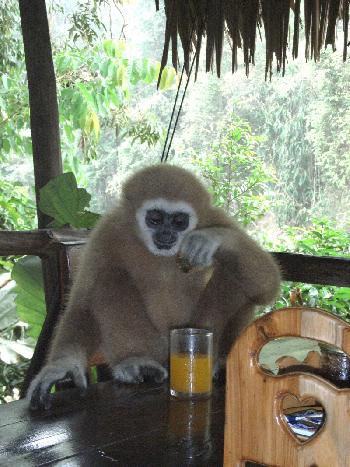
(44, 123)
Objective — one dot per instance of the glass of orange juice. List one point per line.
(191, 364)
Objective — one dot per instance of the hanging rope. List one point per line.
(172, 116)
(166, 150)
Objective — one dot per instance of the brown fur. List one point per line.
(125, 299)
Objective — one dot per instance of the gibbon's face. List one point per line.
(163, 224)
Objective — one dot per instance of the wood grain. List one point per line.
(255, 429)
(115, 424)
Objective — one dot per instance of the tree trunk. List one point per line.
(44, 121)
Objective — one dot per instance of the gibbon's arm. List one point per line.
(75, 340)
(253, 268)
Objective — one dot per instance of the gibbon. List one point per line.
(131, 287)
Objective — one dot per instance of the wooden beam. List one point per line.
(41, 242)
(295, 267)
(326, 270)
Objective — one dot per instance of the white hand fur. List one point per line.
(137, 370)
(199, 246)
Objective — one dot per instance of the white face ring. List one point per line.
(170, 207)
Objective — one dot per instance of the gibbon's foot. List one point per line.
(219, 371)
(39, 390)
(139, 370)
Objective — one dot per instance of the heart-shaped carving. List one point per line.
(304, 417)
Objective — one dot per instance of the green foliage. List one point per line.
(144, 132)
(14, 113)
(329, 126)
(95, 86)
(86, 23)
(30, 299)
(237, 175)
(281, 120)
(11, 49)
(304, 119)
(17, 210)
(15, 348)
(61, 199)
(336, 300)
(94, 92)
(11, 378)
(322, 238)
(66, 203)
(96, 81)
(14, 108)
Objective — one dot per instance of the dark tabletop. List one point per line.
(115, 425)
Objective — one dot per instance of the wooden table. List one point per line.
(115, 425)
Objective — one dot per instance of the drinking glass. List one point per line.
(191, 364)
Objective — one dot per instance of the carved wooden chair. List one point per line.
(256, 428)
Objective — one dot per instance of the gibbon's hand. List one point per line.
(138, 370)
(199, 246)
(39, 390)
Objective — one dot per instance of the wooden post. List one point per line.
(44, 121)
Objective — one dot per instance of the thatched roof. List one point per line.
(278, 20)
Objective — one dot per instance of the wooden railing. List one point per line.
(61, 246)
(57, 248)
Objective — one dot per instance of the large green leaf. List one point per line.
(30, 298)
(61, 199)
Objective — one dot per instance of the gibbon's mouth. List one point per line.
(164, 246)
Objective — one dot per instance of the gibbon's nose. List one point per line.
(165, 237)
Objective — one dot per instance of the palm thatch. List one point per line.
(191, 20)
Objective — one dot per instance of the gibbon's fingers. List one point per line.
(138, 370)
(202, 256)
(198, 247)
(39, 390)
(40, 399)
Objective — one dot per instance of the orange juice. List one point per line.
(190, 373)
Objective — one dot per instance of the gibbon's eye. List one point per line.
(180, 220)
(154, 217)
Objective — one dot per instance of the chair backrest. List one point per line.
(255, 428)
